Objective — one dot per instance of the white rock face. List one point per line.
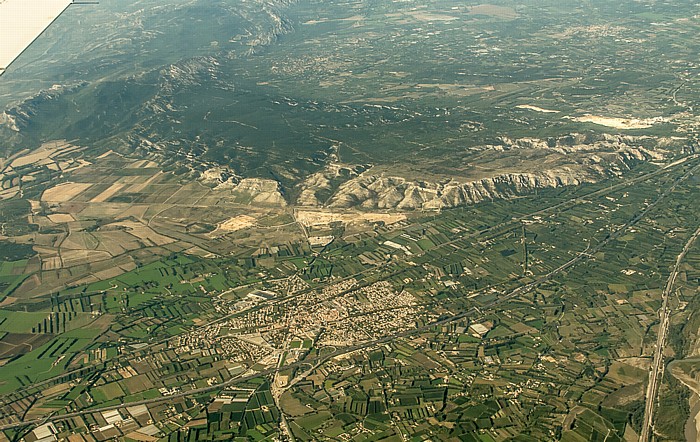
(570, 161)
(9, 121)
(259, 191)
(378, 192)
(315, 182)
(324, 181)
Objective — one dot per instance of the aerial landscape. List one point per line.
(352, 220)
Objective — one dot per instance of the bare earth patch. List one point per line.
(61, 218)
(317, 218)
(144, 233)
(7, 301)
(44, 154)
(107, 194)
(427, 16)
(64, 192)
(618, 123)
(537, 109)
(239, 222)
(494, 11)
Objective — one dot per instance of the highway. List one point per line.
(657, 367)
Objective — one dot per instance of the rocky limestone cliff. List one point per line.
(16, 121)
(258, 191)
(382, 192)
(581, 143)
(318, 187)
(566, 161)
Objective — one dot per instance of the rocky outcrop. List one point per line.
(566, 161)
(258, 191)
(318, 187)
(581, 143)
(381, 192)
(18, 118)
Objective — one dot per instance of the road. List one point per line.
(657, 366)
